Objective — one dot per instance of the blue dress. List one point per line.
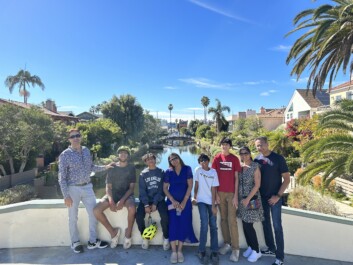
(180, 227)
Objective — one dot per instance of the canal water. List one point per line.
(188, 154)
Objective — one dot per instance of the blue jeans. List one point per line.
(276, 212)
(207, 217)
(86, 195)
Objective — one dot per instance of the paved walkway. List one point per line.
(345, 210)
(154, 256)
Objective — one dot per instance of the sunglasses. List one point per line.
(244, 154)
(172, 159)
(203, 160)
(75, 136)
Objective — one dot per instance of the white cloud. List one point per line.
(282, 48)
(219, 11)
(267, 93)
(170, 87)
(301, 80)
(205, 83)
(253, 83)
(184, 114)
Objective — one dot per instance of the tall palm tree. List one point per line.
(218, 114)
(205, 101)
(170, 107)
(327, 45)
(23, 79)
(331, 155)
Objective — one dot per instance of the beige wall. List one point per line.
(42, 223)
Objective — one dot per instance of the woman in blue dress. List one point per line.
(177, 187)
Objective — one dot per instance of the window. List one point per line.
(349, 95)
(291, 107)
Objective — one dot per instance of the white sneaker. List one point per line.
(145, 244)
(254, 256)
(247, 252)
(234, 256)
(226, 248)
(127, 243)
(166, 244)
(115, 240)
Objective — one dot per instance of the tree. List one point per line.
(193, 125)
(332, 154)
(202, 130)
(218, 114)
(92, 109)
(23, 79)
(151, 128)
(327, 45)
(170, 107)
(205, 101)
(128, 114)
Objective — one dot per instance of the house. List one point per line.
(87, 116)
(343, 91)
(271, 118)
(304, 105)
(48, 108)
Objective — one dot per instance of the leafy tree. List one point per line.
(326, 47)
(151, 128)
(92, 109)
(128, 114)
(205, 101)
(183, 131)
(201, 131)
(332, 154)
(23, 79)
(193, 125)
(239, 124)
(218, 114)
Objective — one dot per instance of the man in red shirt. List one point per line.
(227, 166)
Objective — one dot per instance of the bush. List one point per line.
(308, 199)
(16, 194)
(293, 164)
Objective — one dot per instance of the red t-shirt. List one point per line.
(226, 166)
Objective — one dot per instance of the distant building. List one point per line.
(183, 124)
(340, 92)
(271, 118)
(87, 116)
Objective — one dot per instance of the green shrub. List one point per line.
(16, 194)
(308, 199)
(293, 164)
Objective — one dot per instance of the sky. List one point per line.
(160, 51)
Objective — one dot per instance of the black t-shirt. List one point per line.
(120, 178)
(271, 168)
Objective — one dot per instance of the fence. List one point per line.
(25, 177)
(346, 185)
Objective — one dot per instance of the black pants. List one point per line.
(163, 213)
(250, 236)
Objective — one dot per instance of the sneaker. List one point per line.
(166, 244)
(254, 256)
(174, 258)
(202, 257)
(115, 240)
(278, 262)
(145, 244)
(268, 252)
(180, 257)
(127, 243)
(77, 247)
(97, 244)
(223, 250)
(234, 256)
(214, 258)
(247, 252)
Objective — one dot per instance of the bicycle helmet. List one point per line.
(150, 232)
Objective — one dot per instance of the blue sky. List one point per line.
(160, 51)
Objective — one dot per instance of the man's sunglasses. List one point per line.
(75, 136)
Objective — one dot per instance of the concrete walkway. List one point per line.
(345, 210)
(153, 256)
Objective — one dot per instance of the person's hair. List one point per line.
(73, 130)
(245, 148)
(226, 140)
(203, 157)
(148, 155)
(262, 139)
(173, 155)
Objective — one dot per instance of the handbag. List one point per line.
(255, 202)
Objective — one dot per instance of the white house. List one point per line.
(304, 105)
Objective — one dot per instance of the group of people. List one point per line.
(248, 189)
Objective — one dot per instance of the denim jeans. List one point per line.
(207, 217)
(276, 212)
(86, 195)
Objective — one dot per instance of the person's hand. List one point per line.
(108, 166)
(175, 203)
(273, 200)
(214, 210)
(148, 209)
(235, 202)
(218, 199)
(182, 205)
(153, 208)
(194, 201)
(68, 202)
(119, 205)
(112, 206)
(245, 202)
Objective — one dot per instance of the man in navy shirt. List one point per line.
(273, 169)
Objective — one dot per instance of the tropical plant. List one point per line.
(332, 154)
(326, 47)
(23, 79)
(170, 107)
(205, 101)
(218, 114)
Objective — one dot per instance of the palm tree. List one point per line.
(170, 107)
(327, 45)
(92, 109)
(205, 101)
(23, 79)
(331, 155)
(218, 114)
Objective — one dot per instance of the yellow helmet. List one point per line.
(150, 232)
